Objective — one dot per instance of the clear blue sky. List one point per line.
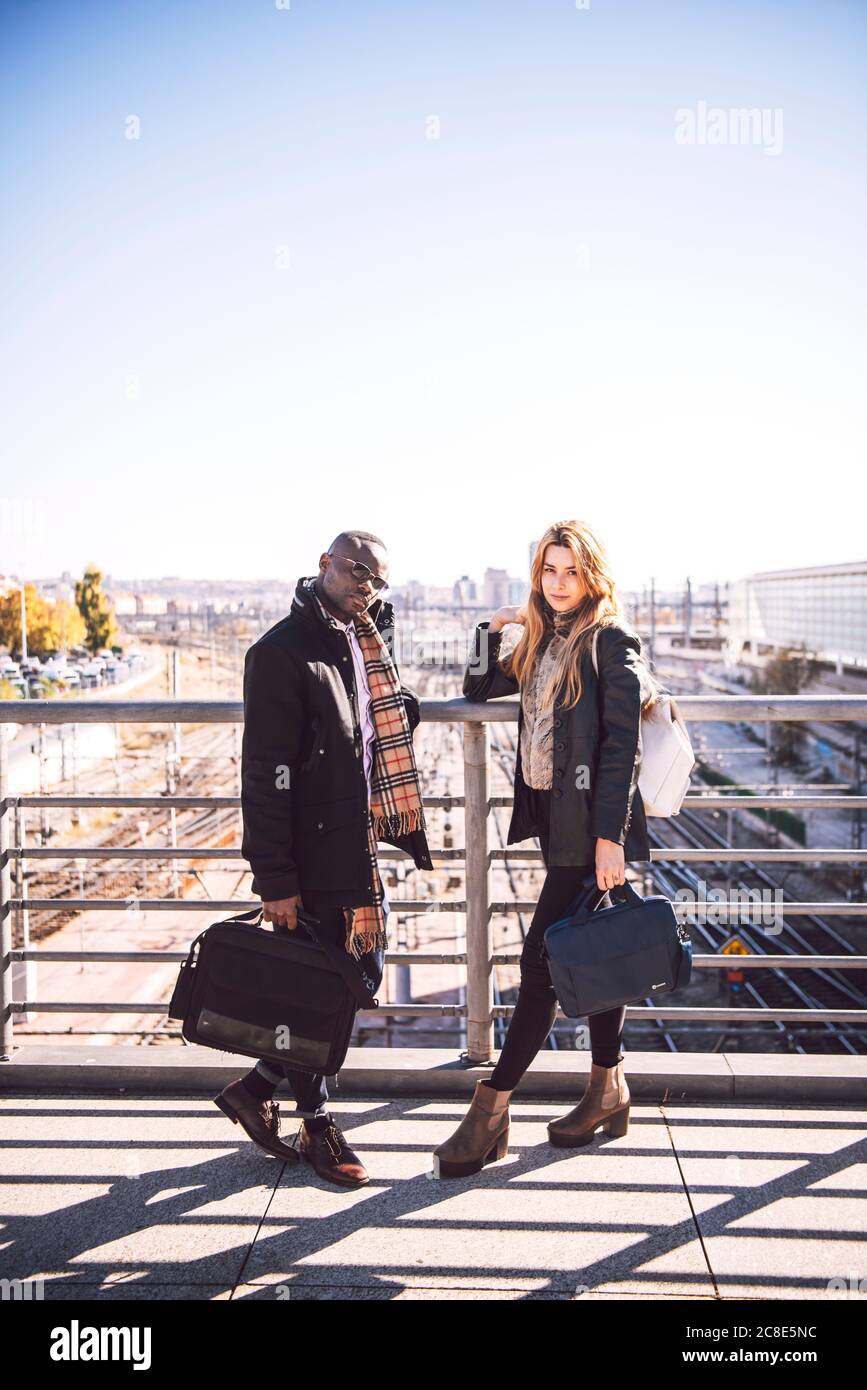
(554, 309)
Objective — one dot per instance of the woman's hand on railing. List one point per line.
(507, 615)
(610, 864)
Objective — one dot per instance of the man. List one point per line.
(323, 698)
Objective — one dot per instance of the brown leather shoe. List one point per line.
(605, 1102)
(327, 1151)
(260, 1118)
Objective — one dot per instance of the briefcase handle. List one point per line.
(249, 916)
(627, 893)
(589, 897)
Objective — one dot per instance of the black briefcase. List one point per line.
(603, 957)
(288, 997)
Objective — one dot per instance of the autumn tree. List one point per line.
(68, 626)
(95, 609)
(51, 627)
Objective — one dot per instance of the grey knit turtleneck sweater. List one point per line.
(537, 754)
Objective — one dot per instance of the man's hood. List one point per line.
(304, 604)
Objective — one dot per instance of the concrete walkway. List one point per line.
(158, 1195)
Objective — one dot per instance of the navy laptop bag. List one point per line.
(602, 957)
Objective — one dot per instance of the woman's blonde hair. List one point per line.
(598, 607)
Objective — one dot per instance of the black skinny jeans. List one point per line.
(536, 1007)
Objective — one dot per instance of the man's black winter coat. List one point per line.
(601, 733)
(301, 728)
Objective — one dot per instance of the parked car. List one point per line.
(56, 669)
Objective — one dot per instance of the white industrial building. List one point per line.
(821, 609)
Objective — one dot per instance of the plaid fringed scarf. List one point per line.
(395, 795)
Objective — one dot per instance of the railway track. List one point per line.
(813, 935)
(819, 988)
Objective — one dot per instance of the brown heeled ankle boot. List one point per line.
(605, 1102)
(481, 1137)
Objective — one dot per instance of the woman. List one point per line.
(576, 775)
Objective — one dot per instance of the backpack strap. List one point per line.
(648, 705)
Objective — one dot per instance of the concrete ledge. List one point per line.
(404, 1071)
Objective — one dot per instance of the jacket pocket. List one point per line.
(317, 820)
(313, 754)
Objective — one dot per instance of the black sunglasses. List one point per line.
(360, 571)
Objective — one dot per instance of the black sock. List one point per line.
(317, 1123)
(259, 1085)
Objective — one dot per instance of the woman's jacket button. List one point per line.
(558, 791)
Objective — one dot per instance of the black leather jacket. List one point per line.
(601, 732)
(301, 714)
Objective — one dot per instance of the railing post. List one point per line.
(480, 971)
(76, 816)
(27, 973)
(5, 909)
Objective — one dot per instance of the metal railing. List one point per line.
(479, 958)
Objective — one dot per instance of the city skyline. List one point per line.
(130, 584)
(490, 574)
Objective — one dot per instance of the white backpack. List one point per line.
(667, 758)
